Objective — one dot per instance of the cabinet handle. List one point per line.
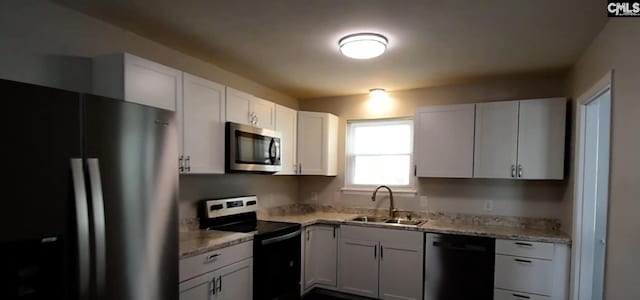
(188, 162)
(212, 258)
(220, 284)
(415, 170)
(521, 296)
(334, 232)
(300, 168)
(524, 244)
(513, 171)
(520, 171)
(523, 261)
(381, 252)
(308, 234)
(213, 285)
(181, 163)
(375, 252)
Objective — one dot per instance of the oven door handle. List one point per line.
(280, 238)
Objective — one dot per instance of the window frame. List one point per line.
(350, 157)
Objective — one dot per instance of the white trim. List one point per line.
(349, 161)
(605, 83)
(368, 190)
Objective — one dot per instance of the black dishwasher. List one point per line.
(459, 267)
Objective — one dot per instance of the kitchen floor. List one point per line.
(328, 295)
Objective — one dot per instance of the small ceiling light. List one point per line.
(363, 45)
(377, 93)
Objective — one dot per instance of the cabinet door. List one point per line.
(312, 132)
(203, 130)
(198, 288)
(235, 282)
(443, 141)
(359, 267)
(151, 84)
(321, 255)
(317, 143)
(401, 252)
(496, 140)
(238, 106)
(541, 138)
(287, 125)
(264, 112)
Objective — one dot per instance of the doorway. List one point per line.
(592, 192)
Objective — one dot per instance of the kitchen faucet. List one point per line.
(392, 210)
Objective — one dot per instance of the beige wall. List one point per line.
(272, 190)
(617, 47)
(46, 44)
(518, 198)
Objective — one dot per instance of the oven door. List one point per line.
(252, 149)
(277, 267)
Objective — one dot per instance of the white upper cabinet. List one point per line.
(134, 79)
(520, 139)
(287, 125)
(443, 139)
(244, 108)
(541, 138)
(496, 141)
(264, 112)
(317, 143)
(202, 130)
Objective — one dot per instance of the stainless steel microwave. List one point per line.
(251, 149)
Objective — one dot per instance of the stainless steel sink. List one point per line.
(376, 219)
(413, 222)
(370, 219)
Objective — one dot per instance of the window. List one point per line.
(380, 152)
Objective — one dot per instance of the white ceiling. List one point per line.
(291, 45)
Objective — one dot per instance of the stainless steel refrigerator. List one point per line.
(89, 202)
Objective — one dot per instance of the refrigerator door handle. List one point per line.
(82, 223)
(97, 207)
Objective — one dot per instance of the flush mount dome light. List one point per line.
(363, 45)
(377, 92)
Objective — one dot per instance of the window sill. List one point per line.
(407, 191)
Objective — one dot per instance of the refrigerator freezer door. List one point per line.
(41, 133)
(136, 147)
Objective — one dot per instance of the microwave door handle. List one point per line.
(278, 154)
(272, 155)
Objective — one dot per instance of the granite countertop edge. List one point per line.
(204, 241)
(499, 232)
(199, 245)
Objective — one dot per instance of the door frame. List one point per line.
(601, 86)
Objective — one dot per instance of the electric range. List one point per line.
(276, 245)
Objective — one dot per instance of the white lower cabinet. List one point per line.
(381, 263)
(320, 256)
(225, 274)
(531, 270)
(499, 294)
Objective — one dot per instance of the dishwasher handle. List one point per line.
(460, 247)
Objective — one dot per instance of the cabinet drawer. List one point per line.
(525, 249)
(528, 275)
(499, 294)
(206, 262)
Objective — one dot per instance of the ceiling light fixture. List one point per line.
(363, 45)
(377, 93)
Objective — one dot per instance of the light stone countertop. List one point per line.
(202, 241)
(433, 226)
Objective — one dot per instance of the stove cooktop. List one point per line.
(261, 228)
